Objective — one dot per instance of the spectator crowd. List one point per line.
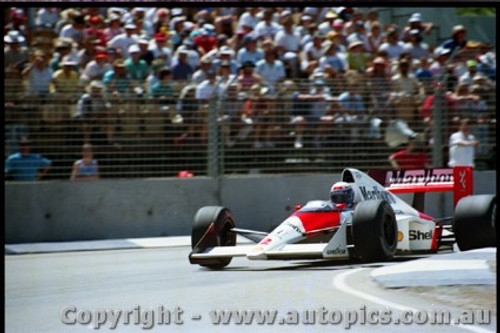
(337, 68)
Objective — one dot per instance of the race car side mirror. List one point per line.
(297, 207)
(341, 206)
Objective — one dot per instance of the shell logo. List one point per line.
(400, 236)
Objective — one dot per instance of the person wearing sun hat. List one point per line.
(137, 68)
(93, 112)
(124, 40)
(458, 39)
(15, 55)
(356, 58)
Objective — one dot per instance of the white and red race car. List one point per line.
(379, 226)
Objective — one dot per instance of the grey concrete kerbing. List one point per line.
(460, 268)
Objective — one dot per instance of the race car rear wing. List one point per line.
(458, 180)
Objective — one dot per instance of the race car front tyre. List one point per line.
(474, 222)
(212, 227)
(374, 231)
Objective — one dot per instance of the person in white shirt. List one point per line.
(462, 146)
(47, 17)
(75, 30)
(286, 40)
(123, 41)
(266, 27)
(393, 46)
(205, 89)
(249, 18)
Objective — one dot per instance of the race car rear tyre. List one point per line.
(221, 235)
(474, 222)
(374, 231)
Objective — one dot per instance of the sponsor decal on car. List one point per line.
(425, 177)
(420, 235)
(376, 193)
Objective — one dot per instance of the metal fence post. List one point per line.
(213, 153)
(437, 127)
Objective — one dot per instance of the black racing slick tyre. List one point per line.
(221, 235)
(474, 222)
(374, 231)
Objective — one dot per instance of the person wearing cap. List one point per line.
(137, 68)
(75, 30)
(250, 51)
(96, 68)
(24, 165)
(93, 112)
(178, 31)
(160, 49)
(145, 54)
(415, 46)
(15, 55)
(266, 27)
(225, 54)
(204, 41)
(313, 50)
(458, 39)
(193, 56)
(182, 70)
(271, 70)
(95, 30)
(356, 58)
(438, 67)
(359, 32)
(393, 46)
(302, 28)
(66, 80)
(124, 40)
(415, 23)
(113, 28)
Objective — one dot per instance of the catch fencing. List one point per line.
(296, 126)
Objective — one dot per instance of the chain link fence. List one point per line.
(296, 126)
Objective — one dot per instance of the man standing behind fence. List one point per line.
(25, 166)
(462, 146)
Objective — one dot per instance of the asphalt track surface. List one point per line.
(39, 286)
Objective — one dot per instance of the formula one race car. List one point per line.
(377, 226)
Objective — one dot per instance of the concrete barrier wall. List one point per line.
(107, 209)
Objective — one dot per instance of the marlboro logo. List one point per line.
(419, 177)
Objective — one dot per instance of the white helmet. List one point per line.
(342, 192)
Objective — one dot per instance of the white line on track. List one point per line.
(339, 282)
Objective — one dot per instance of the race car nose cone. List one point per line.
(256, 253)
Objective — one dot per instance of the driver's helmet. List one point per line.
(342, 192)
